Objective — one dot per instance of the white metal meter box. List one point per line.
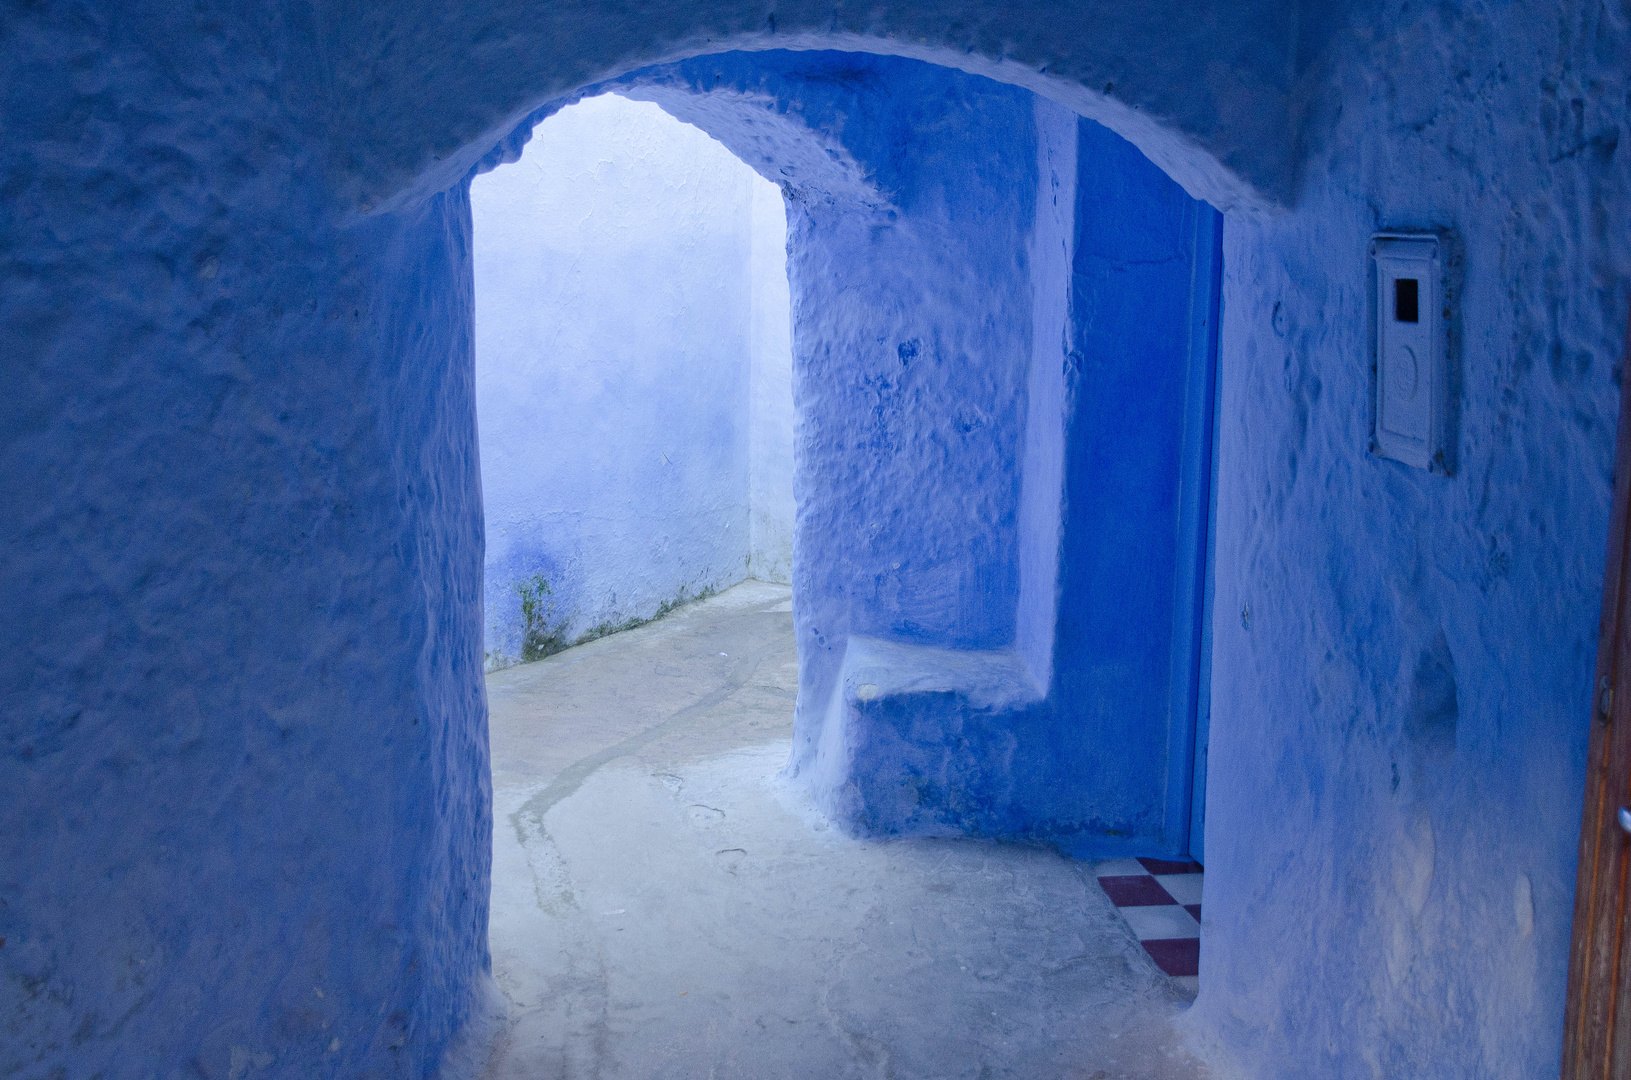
(1410, 385)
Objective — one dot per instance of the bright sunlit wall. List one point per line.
(633, 375)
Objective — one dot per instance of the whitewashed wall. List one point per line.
(631, 336)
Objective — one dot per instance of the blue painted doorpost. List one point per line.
(1206, 298)
(1130, 672)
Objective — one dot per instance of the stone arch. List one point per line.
(1207, 95)
(253, 351)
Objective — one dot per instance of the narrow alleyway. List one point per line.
(665, 907)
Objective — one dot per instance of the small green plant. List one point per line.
(541, 634)
(683, 598)
(607, 628)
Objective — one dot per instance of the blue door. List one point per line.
(1132, 643)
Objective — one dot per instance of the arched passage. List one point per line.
(336, 443)
(308, 420)
(983, 284)
(998, 614)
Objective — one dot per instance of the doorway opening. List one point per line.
(633, 377)
(1000, 577)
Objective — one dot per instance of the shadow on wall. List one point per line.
(633, 377)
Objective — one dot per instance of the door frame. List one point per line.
(1189, 705)
(1596, 1031)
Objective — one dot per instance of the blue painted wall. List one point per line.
(243, 543)
(1138, 380)
(246, 804)
(1402, 661)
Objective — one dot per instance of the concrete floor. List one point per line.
(665, 906)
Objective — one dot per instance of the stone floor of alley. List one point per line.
(665, 906)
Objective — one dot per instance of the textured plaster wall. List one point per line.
(627, 343)
(907, 471)
(246, 811)
(1402, 666)
(244, 748)
(911, 417)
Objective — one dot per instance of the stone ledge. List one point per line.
(920, 740)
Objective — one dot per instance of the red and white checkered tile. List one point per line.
(1161, 901)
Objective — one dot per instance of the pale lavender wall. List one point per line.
(628, 336)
